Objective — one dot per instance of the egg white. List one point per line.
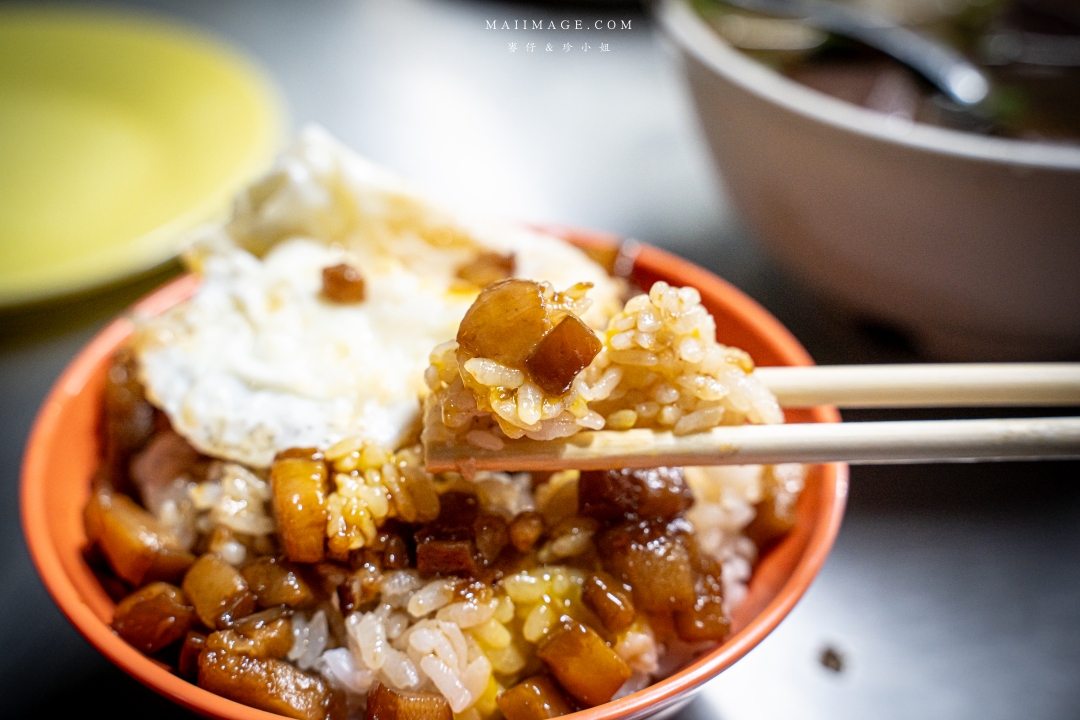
(259, 361)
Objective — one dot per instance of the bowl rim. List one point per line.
(662, 694)
(695, 37)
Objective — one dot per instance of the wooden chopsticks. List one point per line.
(860, 443)
(1036, 384)
(930, 385)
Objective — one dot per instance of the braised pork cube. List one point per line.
(298, 480)
(492, 535)
(615, 260)
(445, 556)
(113, 586)
(395, 553)
(160, 470)
(137, 546)
(335, 622)
(326, 576)
(525, 530)
(705, 621)
(654, 493)
(418, 502)
(188, 665)
(589, 670)
(218, 591)
(662, 625)
(505, 323)
(536, 698)
(128, 417)
(266, 634)
(775, 515)
(487, 268)
(611, 602)
(275, 582)
(383, 703)
(271, 685)
(153, 617)
(359, 588)
(343, 284)
(769, 526)
(654, 560)
(562, 354)
(447, 546)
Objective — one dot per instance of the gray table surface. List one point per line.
(953, 591)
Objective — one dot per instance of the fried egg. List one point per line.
(259, 360)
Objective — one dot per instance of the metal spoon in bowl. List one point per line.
(945, 68)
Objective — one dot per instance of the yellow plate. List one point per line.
(117, 135)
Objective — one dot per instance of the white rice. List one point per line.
(310, 638)
(422, 636)
(660, 366)
(258, 362)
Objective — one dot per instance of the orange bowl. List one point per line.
(62, 455)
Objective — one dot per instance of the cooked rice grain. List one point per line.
(660, 367)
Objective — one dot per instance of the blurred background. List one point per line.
(952, 592)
